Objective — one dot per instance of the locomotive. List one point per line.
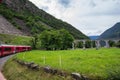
(11, 49)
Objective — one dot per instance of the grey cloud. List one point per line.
(92, 3)
(65, 3)
(105, 7)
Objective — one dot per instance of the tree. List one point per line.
(56, 39)
(111, 43)
(49, 39)
(80, 44)
(88, 44)
(67, 39)
(34, 31)
(93, 44)
(34, 41)
(118, 44)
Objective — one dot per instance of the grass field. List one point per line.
(99, 64)
(14, 39)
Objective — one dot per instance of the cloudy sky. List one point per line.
(92, 17)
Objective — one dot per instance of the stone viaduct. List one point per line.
(97, 43)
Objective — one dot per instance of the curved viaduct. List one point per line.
(97, 42)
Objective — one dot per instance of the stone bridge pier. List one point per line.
(97, 43)
(73, 45)
(107, 43)
(84, 42)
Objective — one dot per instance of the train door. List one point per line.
(17, 49)
(13, 49)
(0, 51)
(23, 48)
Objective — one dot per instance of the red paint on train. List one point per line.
(11, 49)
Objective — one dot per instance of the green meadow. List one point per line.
(102, 64)
(15, 39)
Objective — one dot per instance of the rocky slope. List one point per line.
(7, 27)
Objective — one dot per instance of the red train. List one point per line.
(0, 1)
(11, 49)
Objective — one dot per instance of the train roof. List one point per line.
(14, 45)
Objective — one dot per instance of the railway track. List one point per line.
(2, 62)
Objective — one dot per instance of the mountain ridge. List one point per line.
(111, 33)
(35, 19)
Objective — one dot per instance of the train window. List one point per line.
(7, 49)
(24, 48)
(17, 48)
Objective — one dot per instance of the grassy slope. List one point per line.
(96, 64)
(14, 71)
(17, 40)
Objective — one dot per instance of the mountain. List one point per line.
(29, 19)
(111, 33)
(93, 37)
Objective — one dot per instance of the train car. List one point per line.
(17, 49)
(23, 48)
(28, 48)
(11, 49)
(6, 50)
